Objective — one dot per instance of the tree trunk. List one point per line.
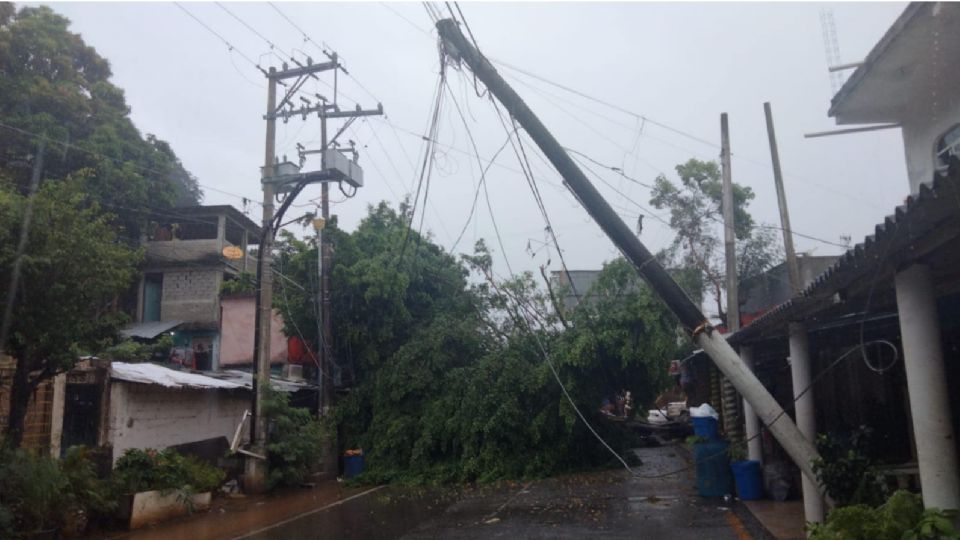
(19, 400)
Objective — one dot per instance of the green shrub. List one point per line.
(293, 447)
(146, 470)
(934, 525)
(87, 490)
(137, 352)
(901, 517)
(34, 492)
(846, 472)
(242, 283)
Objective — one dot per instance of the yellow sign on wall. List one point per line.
(233, 252)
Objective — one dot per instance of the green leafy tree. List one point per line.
(53, 84)
(451, 379)
(73, 268)
(696, 215)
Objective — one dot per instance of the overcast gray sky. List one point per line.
(678, 64)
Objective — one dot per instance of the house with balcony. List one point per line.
(190, 253)
(874, 340)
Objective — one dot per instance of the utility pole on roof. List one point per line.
(798, 447)
(284, 181)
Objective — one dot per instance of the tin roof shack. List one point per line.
(190, 253)
(123, 406)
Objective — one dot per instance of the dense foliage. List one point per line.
(146, 470)
(129, 350)
(64, 124)
(846, 470)
(450, 365)
(901, 517)
(38, 492)
(72, 269)
(55, 85)
(294, 442)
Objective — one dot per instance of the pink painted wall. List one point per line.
(236, 332)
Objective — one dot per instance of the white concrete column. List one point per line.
(754, 444)
(800, 371)
(56, 420)
(221, 233)
(927, 386)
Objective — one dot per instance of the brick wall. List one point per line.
(151, 416)
(191, 295)
(37, 423)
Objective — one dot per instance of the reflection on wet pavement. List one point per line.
(609, 504)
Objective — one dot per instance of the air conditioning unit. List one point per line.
(341, 168)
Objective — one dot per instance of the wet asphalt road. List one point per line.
(609, 504)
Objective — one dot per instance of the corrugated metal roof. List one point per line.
(147, 373)
(246, 379)
(922, 215)
(149, 330)
(169, 378)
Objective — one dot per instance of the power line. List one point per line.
(608, 104)
(252, 29)
(229, 45)
(647, 119)
(306, 38)
(408, 21)
(476, 194)
(486, 193)
(428, 159)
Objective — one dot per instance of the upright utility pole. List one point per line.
(256, 469)
(801, 369)
(286, 180)
(731, 413)
(792, 266)
(729, 230)
(326, 333)
(796, 445)
(318, 225)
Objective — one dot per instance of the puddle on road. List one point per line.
(388, 513)
(663, 502)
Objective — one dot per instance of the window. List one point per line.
(948, 145)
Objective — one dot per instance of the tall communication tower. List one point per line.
(831, 47)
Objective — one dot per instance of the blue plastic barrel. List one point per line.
(705, 426)
(352, 466)
(713, 469)
(747, 476)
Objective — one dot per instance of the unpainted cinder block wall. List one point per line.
(191, 296)
(152, 416)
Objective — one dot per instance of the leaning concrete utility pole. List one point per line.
(796, 445)
(731, 413)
